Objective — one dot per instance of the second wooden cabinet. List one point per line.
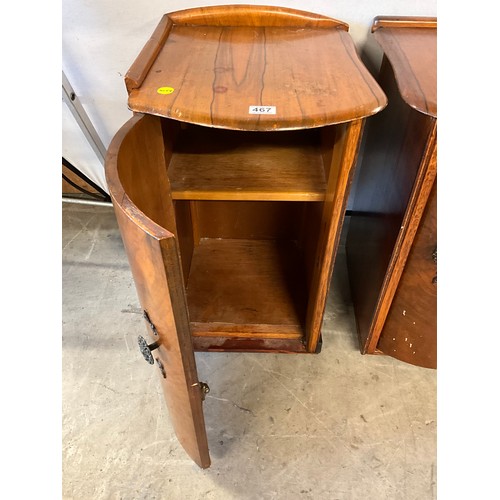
(392, 240)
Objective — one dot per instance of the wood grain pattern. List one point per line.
(251, 283)
(224, 15)
(153, 255)
(410, 329)
(416, 206)
(395, 143)
(412, 50)
(211, 164)
(248, 331)
(253, 15)
(218, 70)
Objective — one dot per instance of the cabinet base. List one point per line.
(234, 344)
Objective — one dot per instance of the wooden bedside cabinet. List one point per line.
(230, 184)
(392, 238)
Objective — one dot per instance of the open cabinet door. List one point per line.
(136, 173)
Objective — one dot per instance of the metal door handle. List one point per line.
(146, 349)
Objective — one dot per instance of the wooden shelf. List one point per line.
(246, 288)
(212, 164)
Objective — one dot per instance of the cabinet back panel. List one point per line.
(248, 220)
(212, 164)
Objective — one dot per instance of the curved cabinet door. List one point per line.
(137, 179)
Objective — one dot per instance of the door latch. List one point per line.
(203, 388)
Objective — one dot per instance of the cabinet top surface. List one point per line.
(252, 68)
(409, 44)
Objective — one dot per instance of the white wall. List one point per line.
(101, 39)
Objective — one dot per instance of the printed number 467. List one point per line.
(262, 110)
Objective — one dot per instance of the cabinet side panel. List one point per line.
(311, 228)
(344, 156)
(410, 329)
(185, 235)
(395, 144)
(313, 212)
(328, 135)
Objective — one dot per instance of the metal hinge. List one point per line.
(204, 389)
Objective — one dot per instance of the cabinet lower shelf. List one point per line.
(247, 289)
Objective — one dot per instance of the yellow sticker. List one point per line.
(165, 90)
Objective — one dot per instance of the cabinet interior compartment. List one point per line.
(217, 164)
(252, 259)
(248, 207)
(245, 266)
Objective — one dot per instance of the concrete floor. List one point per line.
(337, 425)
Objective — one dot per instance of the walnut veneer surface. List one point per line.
(266, 56)
(410, 46)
